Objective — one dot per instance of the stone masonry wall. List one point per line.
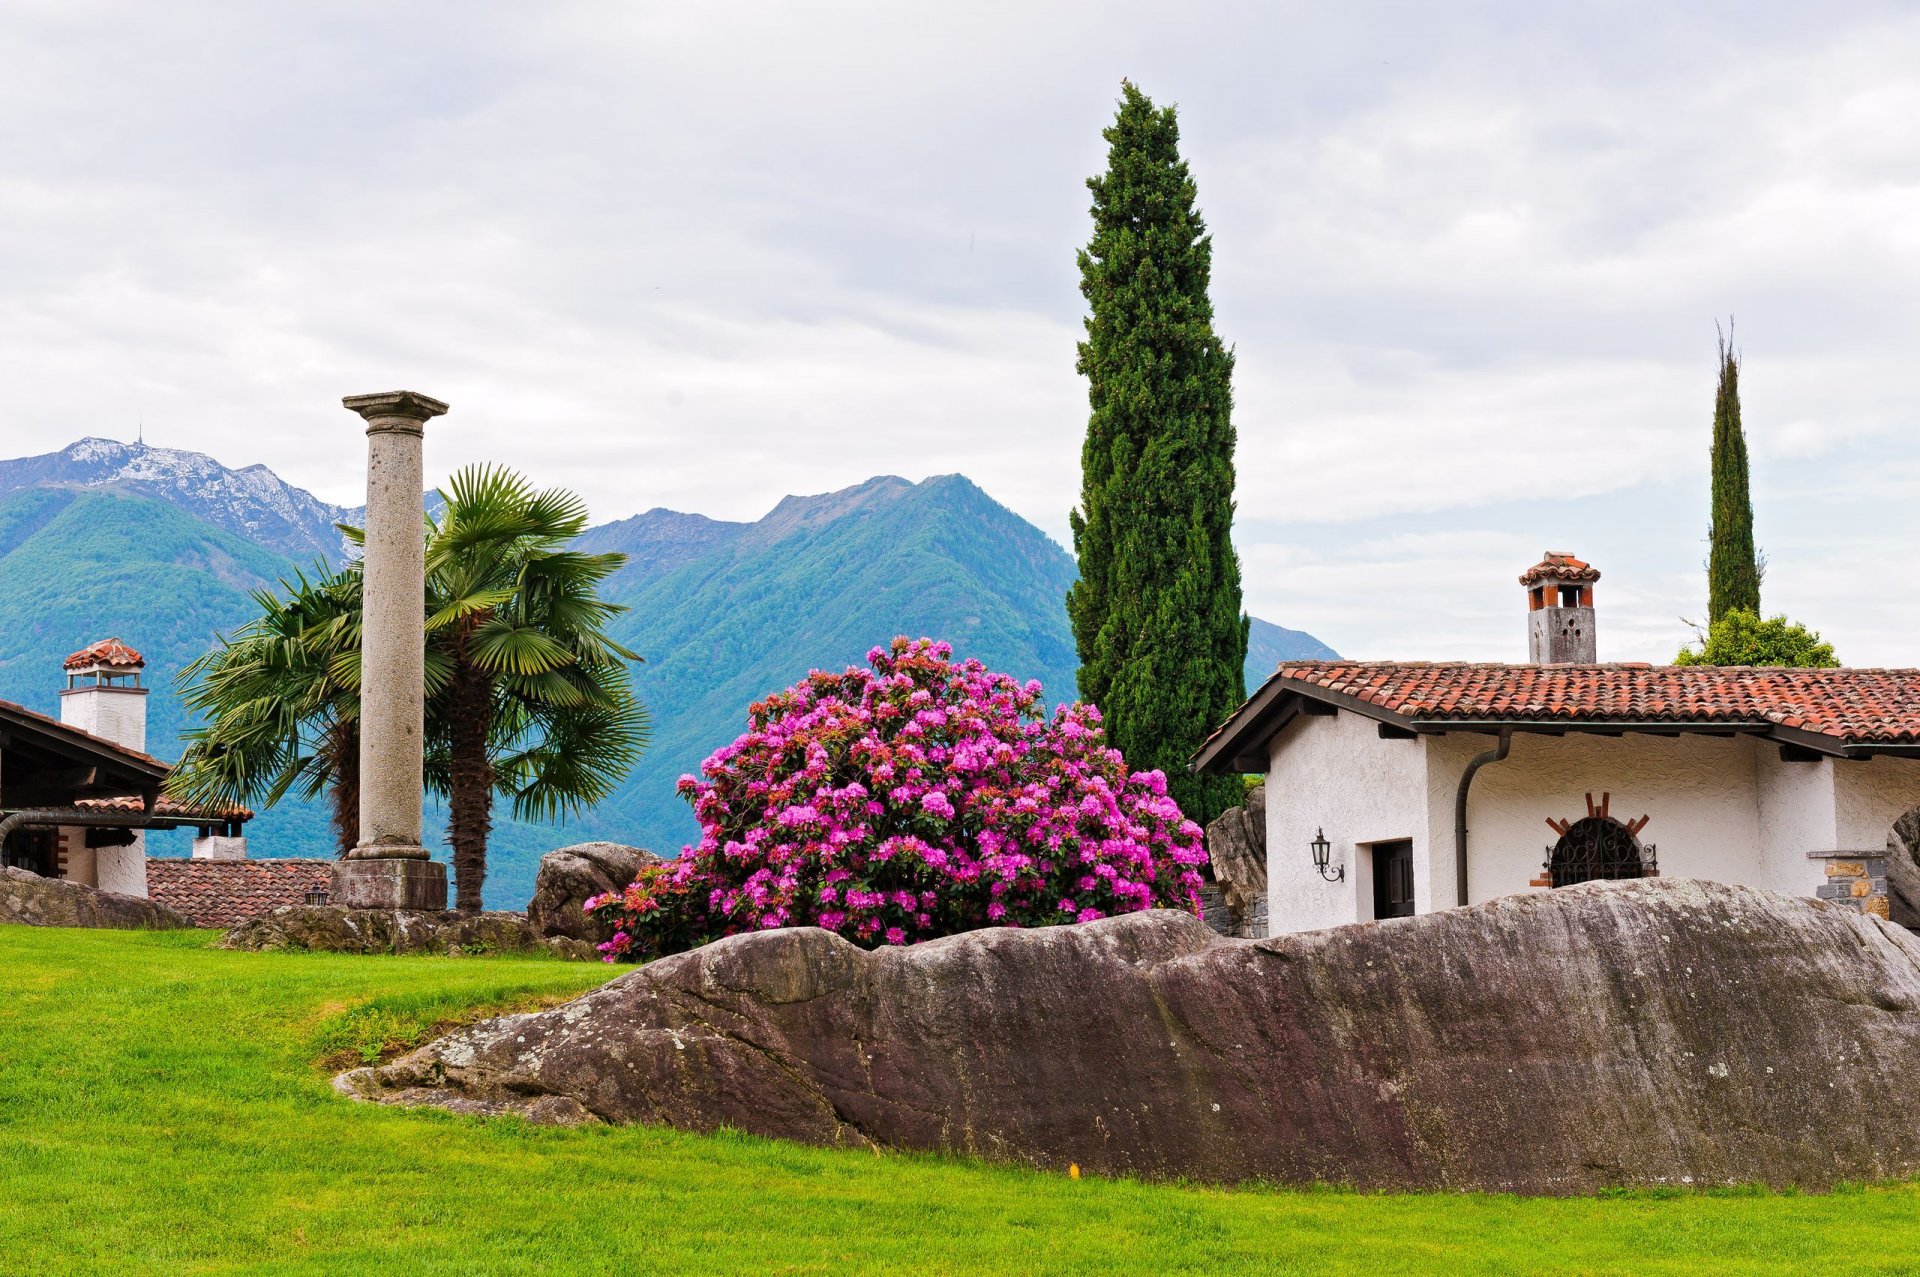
(1857, 879)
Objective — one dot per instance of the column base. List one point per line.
(389, 851)
(390, 884)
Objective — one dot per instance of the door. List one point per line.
(1393, 879)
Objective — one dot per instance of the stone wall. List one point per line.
(1855, 879)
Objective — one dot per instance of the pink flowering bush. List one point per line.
(912, 800)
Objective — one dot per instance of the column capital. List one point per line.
(395, 410)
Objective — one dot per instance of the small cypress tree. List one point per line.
(1156, 611)
(1733, 567)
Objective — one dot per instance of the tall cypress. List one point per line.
(1156, 611)
(1733, 567)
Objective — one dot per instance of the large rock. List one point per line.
(1237, 852)
(569, 877)
(330, 929)
(54, 902)
(1657, 1032)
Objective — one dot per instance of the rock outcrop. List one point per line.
(329, 929)
(34, 901)
(1237, 852)
(1636, 1033)
(569, 877)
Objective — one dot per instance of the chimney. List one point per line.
(1560, 610)
(103, 693)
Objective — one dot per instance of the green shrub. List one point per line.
(1742, 638)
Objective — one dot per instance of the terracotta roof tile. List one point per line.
(1855, 706)
(106, 652)
(225, 893)
(166, 806)
(1558, 565)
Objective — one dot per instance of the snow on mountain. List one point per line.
(253, 502)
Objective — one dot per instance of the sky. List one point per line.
(1470, 258)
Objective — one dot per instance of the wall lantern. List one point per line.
(1321, 849)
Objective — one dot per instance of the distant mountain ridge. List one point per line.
(160, 547)
(253, 502)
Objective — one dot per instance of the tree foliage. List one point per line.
(526, 696)
(1156, 612)
(1733, 565)
(1742, 637)
(280, 704)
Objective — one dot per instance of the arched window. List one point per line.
(1597, 847)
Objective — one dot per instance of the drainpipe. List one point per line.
(1497, 754)
(73, 816)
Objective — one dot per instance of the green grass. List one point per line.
(162, 1111)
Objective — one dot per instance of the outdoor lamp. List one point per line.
(1321, 849)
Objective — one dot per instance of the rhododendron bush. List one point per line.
(914, 799)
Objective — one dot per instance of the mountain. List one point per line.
(1269, 644)
(656, 543)
(161, 547)
(254, 503)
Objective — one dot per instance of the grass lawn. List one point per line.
(163, 1110)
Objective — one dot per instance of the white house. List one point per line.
(78, 793)
(1425, 785)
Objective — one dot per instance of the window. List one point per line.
(1569, 596)
(1597, 847)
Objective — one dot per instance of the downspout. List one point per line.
(1497, 754)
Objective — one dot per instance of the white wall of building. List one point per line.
(1868, 796)
(1336, 774)
(117, 713)
(219, 847)
(123, 869)
(1724, 808)
(82, 862)
(1796, 817)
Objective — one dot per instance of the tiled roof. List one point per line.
(33, 720)
(106, 652)
(225, 893)
(1558, 565)
(1844, 711)
(172, 808)
(1852, 705)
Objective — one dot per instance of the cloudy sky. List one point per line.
(703, 255)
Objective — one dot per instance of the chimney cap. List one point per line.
(109, 651)
(1559, 565)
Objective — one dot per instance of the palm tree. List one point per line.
(527, 694)
(280, 700)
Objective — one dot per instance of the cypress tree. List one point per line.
(1733, 567)
(1156, 611)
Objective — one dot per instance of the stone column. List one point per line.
(390, 869)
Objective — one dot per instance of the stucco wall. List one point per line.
(1337, 774)
(1700, 794)
(123, 869)
(1796, 817)
(1868, 796)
